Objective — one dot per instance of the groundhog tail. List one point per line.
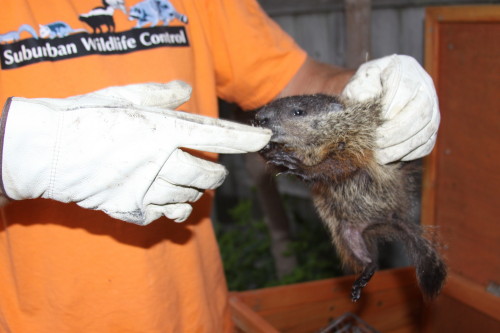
(431, 275)
(430, 268)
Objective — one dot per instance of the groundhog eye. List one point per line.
(298, 112)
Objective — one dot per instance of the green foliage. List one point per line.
(245, 247)
(314, 251)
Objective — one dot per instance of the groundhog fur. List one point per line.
(329, 141)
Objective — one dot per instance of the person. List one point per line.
(92, 125)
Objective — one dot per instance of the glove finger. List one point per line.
(402, 79)
(365, 84)
(423, 150)
(219, 136)
(178, 212)
(186, 170)
(136, 217)
(162, 193)
(418, 146)
(165, 95)
(409, 122)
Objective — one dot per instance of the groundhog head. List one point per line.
(319, 136)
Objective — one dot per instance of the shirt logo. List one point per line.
(58, 40)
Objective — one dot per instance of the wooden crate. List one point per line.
(461, 202)
(391, 303)
(462, 176)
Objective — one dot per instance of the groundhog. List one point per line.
(329, 142)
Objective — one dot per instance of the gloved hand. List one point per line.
(411, 110)
(117, 150)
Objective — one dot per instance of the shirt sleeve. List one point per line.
(253, 57)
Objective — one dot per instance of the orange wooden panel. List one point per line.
(302, 293)
(462, 176)
(466, 162)
(390, 302)
(468, 170)
(474, 295)
(451, 315)
(384, 310)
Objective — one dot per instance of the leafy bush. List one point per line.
(245, 247)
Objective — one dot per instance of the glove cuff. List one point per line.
(3, 122)
(28, 144)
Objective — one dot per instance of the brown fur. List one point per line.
(329, 142)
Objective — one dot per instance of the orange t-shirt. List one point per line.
(67, 269)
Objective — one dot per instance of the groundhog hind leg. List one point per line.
(362, 281)
(360, 251)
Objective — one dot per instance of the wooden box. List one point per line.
(311, 306)
(462, 176)
(460, 201)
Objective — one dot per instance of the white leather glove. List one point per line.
(117, 150)
(411, 109)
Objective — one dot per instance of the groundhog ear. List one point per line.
(335, 107)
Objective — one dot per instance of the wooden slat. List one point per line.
(428, 203)
(247, 320)
(307, 292)
(358, 32)
(463, 13)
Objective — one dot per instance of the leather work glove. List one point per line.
(117, 150)
(411, 110)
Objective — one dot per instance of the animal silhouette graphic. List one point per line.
(57, 29)
(13, 36)
(103, 16)
(153, 11)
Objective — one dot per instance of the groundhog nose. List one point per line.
(261, 120)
